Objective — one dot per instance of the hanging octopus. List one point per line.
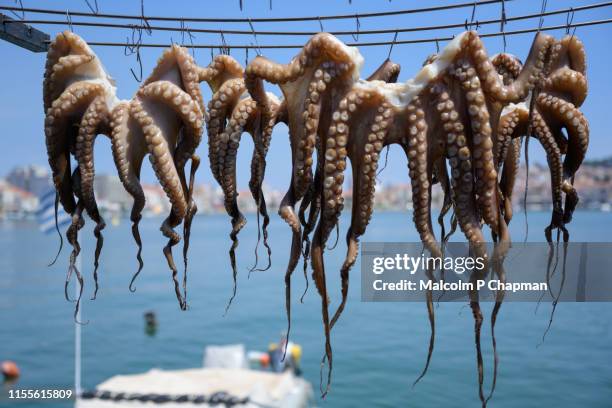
(312, 84)
(78, 96)
(555, 108)
(449, 111)
(164, 120)
(232, 112)
(443, 112)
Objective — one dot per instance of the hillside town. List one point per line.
(21, 188)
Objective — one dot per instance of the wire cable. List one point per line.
(255, 20)
(182, 28)
(361, 44)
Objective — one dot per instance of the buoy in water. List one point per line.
(10, 370)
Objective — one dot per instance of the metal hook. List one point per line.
(137, 78)
(542, 11)
(246, 56)
(392, 44)
(185, 29)
(145, 22)
(69, 20)
(258, 49)
(96, 10)
(437, 47)
(569, 20)
(473, 15)
(22, 17)
(321, 24)
(502, 23)
(358, 23)
(225, 49)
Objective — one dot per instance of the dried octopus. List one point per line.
(462, 111)
(312, 84)
(78, 96)
(231, 112)
(555, 108)
(164, 119)
(448, 113)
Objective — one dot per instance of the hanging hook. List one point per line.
(22, 16)
(321, 24)
(258, 49)
(69, 20)
(542, 11)
(437, 47)
(185, 29)
(96, 10)
(473, 12)
(358, 24)
(392, 44)
(246, 56)
(225, 49)
(145, 22)
(139, 77)
(502, 24)
(568, 22)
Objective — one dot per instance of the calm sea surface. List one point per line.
(379, 349)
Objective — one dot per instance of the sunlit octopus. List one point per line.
(164, 119)
(447, 116)
(311, 84)
(231, 112)
(461, 121)
(555, 108)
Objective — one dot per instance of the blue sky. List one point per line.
(21, 112)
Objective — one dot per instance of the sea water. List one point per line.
(379, 349)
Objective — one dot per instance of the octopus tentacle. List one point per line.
(460, 159)
(416, 148)
(228, 148)
(508, 66)
(183, 105)
(261, 139)
(553, 156)
(128, 153)
(508, 177)
(481, 142)
(220, 106)
(364, 176)
(566, 80)
(388, 72)
(507, 126)
(59, 135)
(95, 117)
(76, 225)
(576, 125)
(492, 84)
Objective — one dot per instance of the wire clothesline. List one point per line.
(185, 29)
(358, 44)
(472, 4)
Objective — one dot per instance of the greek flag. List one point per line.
(45, 213)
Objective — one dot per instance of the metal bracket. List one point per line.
(23, 35)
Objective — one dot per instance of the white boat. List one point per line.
(225, 380)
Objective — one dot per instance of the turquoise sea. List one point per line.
(379, 348)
